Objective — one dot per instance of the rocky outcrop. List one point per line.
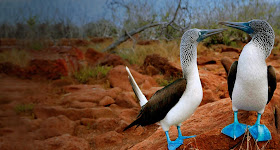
(94, 58)
(118, 77)
(214, 86)
(62, 142)
(155, 64)
(207, 123)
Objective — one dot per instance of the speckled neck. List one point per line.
(264, 41)
(188, 55)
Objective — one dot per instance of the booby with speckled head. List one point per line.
(251, 83)
(177, 101)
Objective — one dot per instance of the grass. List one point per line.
(86, 73)
(26, 109)
(165, 82)
(36, 45)
(18, 57)
(138, 54)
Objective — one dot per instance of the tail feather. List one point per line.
(131, 125)
(143, 100)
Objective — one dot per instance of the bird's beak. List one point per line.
(244, 26)
(206, 33)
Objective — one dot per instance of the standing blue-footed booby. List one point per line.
(177, 101)
(251, 83)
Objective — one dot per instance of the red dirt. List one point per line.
(67, 115)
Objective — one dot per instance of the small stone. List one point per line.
(107, 100)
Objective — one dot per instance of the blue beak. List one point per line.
(244, 26)
(206, 33)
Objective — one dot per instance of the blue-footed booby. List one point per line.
(177, 101)
(251, 83)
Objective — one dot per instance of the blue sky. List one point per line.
(79, 11)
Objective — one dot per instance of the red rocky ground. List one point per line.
(67, 115)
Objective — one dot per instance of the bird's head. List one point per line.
(252, 27)
(197, 35)
(261, 32)
(189, 41)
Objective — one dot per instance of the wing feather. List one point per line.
(160, 103)
(272, 83)
(231, 77)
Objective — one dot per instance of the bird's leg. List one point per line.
(172, 145)
(181, 137)
(259, 131)
(235, 129)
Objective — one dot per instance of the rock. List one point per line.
(51, 69)
(217, 84)
(77, 53)
(62, 82)
(207, 123)
(88, 93)
(62, 142)
(151, 70)
(81, 105)
(161, 65)
(55, 126)
(103, 112)
(277, 76)
(106, 124)
(118, 78)
(224, 48)
(211, 67)
(230, 49)
(203, 60)
(107, 139)
(129, 115)
(127, 99)
(232, 55)
(226, 62)
(11, 69)
(208, 97)
(44, 112)
(149, 93)
(73, 42)
(107, 100)
(94, 58)
(112, 60)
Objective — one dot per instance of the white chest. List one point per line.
(186, 106)
(251, 88)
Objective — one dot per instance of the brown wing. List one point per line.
(232, 77)
(160, 103)
(272, 83)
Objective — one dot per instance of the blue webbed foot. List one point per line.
(172, 145)
(259, 131)
(180, 137)
(235, 129)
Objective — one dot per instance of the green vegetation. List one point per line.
(138, 54)
(18, 57)
(26, 109)
(36, 45)
(86, 73)
(165, 82)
